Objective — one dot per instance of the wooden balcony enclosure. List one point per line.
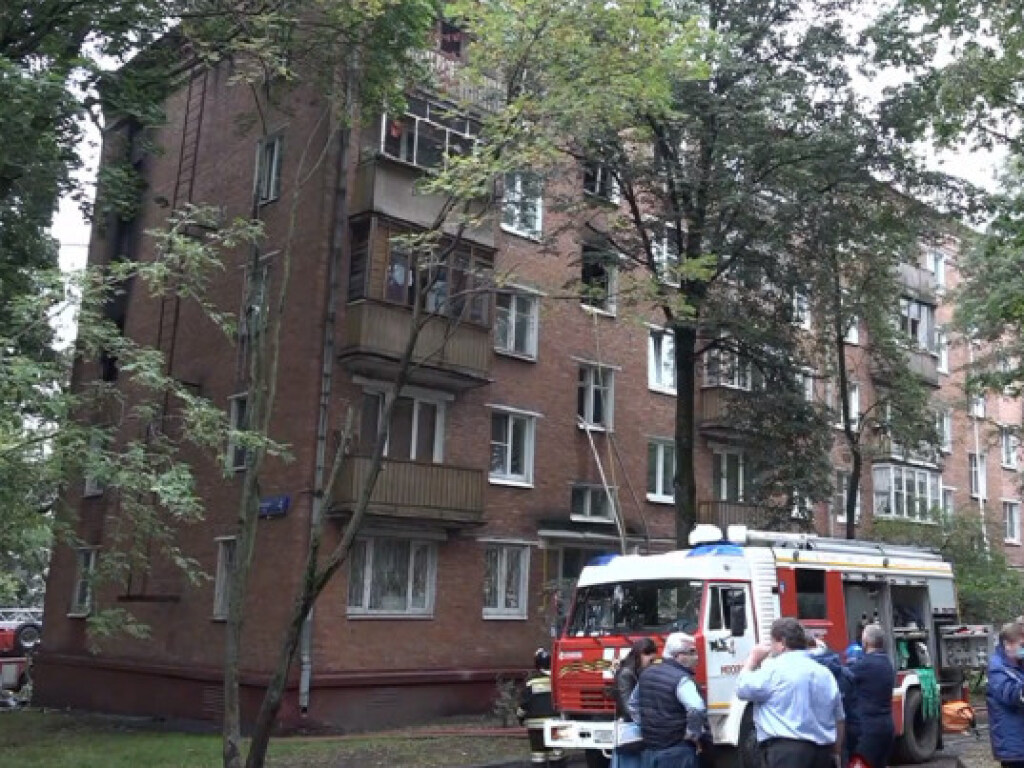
(409, 490)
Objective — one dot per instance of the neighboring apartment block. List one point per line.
(515, 428)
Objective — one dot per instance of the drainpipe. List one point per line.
(982, 475)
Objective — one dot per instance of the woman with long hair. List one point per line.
(640, 656)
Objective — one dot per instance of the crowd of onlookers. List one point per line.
(810, 708)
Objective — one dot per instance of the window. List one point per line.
(1011, 517)
(1009, 443)
(600, 182)
(839, 498)
(937, 266)
(917, 320)
(907, 492)
(85, 568)
(661, 471)
(590, 503)
(947, 499)
(834, 402)
(426, 134)
(810, 594)
(512, 442)
(666, 246)
(801, 310)
(268, 169)
(977, 406)
(725, 368)
(506, 578)
(457, 286)
(515, 323)
(977, 471)
(853, 390)
(942, 346)
(721, 599)
(523, 207)
(222, 584)
(595, 396)
(853, 330)
(807, 385)
(92, 484)
(729, 481)
(661, 361)
(417, 427)
(599, 277)
(391, 577)
(359, 265)
(451, 40)
(253, 318)
(238, 454)
(944, 426)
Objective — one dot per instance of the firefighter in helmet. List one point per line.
(535, 706)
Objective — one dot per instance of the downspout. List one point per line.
(982, 471)
(336, 244)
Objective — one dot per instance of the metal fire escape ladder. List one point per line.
(612, 501)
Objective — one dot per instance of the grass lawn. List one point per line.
(34, 739)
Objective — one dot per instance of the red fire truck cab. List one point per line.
(727, 591)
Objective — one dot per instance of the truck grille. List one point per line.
(587, 699)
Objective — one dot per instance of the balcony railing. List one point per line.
(919, 361)
(450, 78)
(447, 354)
(726, 513)
(920, 283)
(414, 490)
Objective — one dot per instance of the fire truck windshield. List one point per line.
(669, 605)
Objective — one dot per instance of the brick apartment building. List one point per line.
(492, 499)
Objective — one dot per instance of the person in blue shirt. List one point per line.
(874, 677)
(1005, 697)
(669, 708)
(798, 713)
(843, 676)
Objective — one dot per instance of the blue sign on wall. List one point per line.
(275, 506)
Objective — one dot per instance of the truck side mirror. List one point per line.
(738, 620)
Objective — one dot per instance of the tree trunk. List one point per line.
(686, 383)
(852, 489)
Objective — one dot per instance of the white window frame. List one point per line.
(501, 612)
(438, 118)
(937, 266)
(520, 303)
(945, 428)
(591, 374)
(588, 514)
(515, 204)
(92, 486)
(942, 350)
(948, 491)
(370, 544)
(81, 592)
(505, 475)
(591, 302)
(802, 310)
(807, 384)
(237, 404)
(661, 377)
(1011, 512)
(595, 190)
(977, 406)
(832, 395)
(1009, 445)
(909, 477)
(664, 490)
(977, 473)
(739, 372)
(853, 331)
(842, 482)
(666, 256)
(719, 457)
(226, 548)
(917, 320)
(418, 396)
(268, 169)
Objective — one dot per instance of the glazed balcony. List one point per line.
(449, 355)
(919, 283)
(920, 362)
(726, 513)
(410, 490)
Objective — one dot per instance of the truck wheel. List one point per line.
(27, 637)
(596, 759)
(920, 736)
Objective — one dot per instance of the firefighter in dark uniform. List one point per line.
(535, 707)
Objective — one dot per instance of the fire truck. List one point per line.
(726, 591)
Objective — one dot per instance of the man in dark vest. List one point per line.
(669, 708)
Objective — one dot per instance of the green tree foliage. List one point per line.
(989, 590)
(723, 139)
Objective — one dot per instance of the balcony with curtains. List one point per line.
(453, 352)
